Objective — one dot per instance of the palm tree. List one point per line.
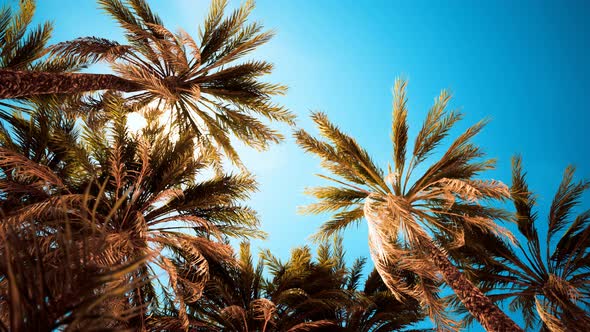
(308, 289)
(301, 295)
(139, 191)
(379, 310)
(409, 213)
(201, 83)
(49, 278)
(551, 285)
(50, 287)
(232, 299)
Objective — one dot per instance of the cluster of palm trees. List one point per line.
(108, 228)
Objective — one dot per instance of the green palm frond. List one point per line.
(339, 222)
(355, 273)
(23, 46)
(332, 199)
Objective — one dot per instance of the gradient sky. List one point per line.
(524, 65)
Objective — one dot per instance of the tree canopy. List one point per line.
(107, 228)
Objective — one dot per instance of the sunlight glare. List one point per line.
(136, 122)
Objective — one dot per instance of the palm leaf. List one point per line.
(567, 197)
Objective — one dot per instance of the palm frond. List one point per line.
(310, 326)
(553, 323)
(435, 128)
(571, 246)
(20, 46)
(23, 166)
(567, 197)
(399, 128)
(339, 222)
(523, 201)
(92, 49)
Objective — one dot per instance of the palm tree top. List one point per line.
(147, 195)
(200, 80)
(303, 293)
(544, 275)
(23, 45)
(448, 181)
(410, 214)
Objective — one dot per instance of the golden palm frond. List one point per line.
(399, 127)
(264, 310)
(26, 168)
(553, 323)
(435, 128)
(310, 326)
(200, 82)
(19, 48)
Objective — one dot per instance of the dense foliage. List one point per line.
(106, 228)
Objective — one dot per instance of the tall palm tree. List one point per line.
(140, 190)
(200, 82)
(552, 284)
(409, 213)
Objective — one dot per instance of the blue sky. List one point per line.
(523, 64)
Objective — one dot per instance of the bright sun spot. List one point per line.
(135, 122)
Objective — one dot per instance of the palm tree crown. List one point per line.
(550, 284)
(407, 212)
(138, 192)
(199, 82)
(300, 294)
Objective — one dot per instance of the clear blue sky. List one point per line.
(524, 64)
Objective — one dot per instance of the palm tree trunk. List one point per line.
(14, 84)
(479, 305)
